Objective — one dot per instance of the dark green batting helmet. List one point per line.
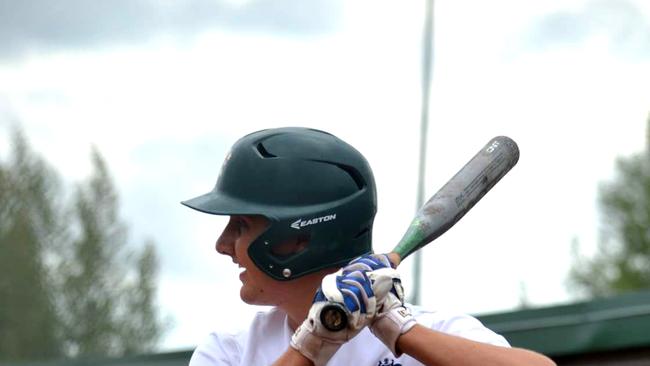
(308, 184)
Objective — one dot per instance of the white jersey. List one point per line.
(269, 335)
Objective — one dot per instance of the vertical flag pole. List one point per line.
(427, 56)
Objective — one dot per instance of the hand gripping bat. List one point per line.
(444, 209)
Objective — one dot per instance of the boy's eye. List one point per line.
(241, 225)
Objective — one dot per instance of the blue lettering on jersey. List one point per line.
(387, 362)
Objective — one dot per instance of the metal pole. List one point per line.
(427, 56)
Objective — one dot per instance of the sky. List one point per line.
(164, 88)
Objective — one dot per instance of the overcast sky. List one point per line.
(164, 88)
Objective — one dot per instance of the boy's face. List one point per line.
(257, 287)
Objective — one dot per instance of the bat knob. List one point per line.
(334, 317)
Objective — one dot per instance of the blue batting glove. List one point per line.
(367, 263)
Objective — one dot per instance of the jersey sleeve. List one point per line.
(462, 325)
(218, 349)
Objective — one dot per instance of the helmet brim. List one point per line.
(218, 204)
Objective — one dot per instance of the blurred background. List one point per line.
(111, 113)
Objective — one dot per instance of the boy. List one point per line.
(301, 204)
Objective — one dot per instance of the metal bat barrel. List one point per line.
(445, 208)
(451, 202)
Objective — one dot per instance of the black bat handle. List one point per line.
(334, 317)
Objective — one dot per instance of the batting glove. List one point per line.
(352, 291)
(393, 319)
(356, 293)
(368, 263)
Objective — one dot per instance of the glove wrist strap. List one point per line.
(392, 324)
(315, 348)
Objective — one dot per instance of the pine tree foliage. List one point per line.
(28, 226)
(622, 262)
(142, 327)
(108, 289)
(70, 283)
(92, 270)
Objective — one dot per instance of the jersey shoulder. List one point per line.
(227, 348)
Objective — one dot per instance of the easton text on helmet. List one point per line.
(302, 223)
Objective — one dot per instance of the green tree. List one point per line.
(622, 261)
(29, 225)
(142, 327)
(107, 290)
(70, 284)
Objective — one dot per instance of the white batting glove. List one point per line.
(393, 318)
(368, 263)
(353, 290)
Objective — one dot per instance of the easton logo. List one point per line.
(302, 223)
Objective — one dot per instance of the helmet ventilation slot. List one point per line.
(354, 174)
(362, 233)
(263, 152)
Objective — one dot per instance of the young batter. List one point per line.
(301, 204)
